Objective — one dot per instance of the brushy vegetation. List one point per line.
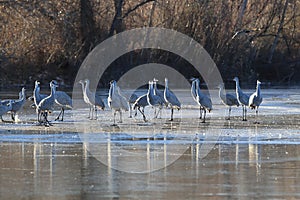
(46, 39)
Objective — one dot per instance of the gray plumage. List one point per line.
(158, 92)
(141, 102)
(37, 96)
(18, 104)
(227, 99)
(154, 100)
(203, 100)
(46, 105)
(194, 95)
(116, 101)
(256, 99)
(91, 98)
(131, 98)
(171, 99)
(5, 107)
(64, 101)
(242, 98)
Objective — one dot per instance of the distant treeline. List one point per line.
(50, 39)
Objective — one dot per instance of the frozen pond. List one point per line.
(159, 159)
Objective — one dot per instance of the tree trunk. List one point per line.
(273, 47)
(118, 20)
(87, 27)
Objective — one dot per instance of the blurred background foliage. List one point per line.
(42, 39)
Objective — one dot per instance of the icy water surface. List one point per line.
(159, 159)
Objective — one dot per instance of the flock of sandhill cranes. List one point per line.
(117, 102)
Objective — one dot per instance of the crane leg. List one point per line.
(256, 116)
(204, 115)
(135, 114)
(229, 111)
(61, 113)
(13, 116)
(90, 113)
(130, 116)
(114, 119)
(159, 111)
(172, 111)
(200, 117)
(144, 117)
(95, 112)
(120, 117)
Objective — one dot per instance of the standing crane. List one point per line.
(227, 99)
(242, 98)
(116, 101)
(154, 100)
(255, 100)
(203, 100)
(46, 105)
(91, 98)
(18, 104)
(171, 99)
(141, 102)
(37, 96)
(64, 101)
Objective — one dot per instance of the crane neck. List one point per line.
(82, 86)
(198, 91)
(53, 90)
(258, 89)
(22, 97)
(150, 90)
(166, 83)
(237, 86)
(111, 90)
(193, 88)
(36, 89)
(221, 91)
(87, 87)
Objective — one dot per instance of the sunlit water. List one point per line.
(185, 159)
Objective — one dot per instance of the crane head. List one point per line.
(53, 83)
(236, 79)
(258, 82)
(221, 85)
(37, 83)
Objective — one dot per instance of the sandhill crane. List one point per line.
(227, 99)
(242, 98)
(255, 100)
(194, 95)
(203, 100)
(5, 107)
(154, 100)
(85, 98)
(130, 98)
(18, 104)
(46, 105)
(158, 92)
(116, 101)
(171, 99)
(37, 96)
(64, 101)
(91, 98)
(141, 102)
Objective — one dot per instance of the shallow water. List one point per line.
(56, 170)
(159, 159)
